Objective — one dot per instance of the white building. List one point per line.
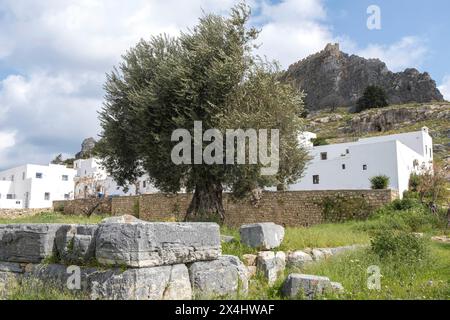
(35, 186)
(351, 165)
(91, 179)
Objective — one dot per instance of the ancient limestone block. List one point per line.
(156, 283)
(76, 243)
(227, 276)
(305, 286)
(146, 244)
(249, 259)
(27, 242)
(271, 264)
(298, 259)
(265, 236)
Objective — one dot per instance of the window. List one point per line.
(38, 175)
(47, 196)
(144, 184)
(343, 166)
(316, 179)
(347, 151)
(23, 175)
(18, 202)
(10, 196)
(364, 166)
(65, 177)
(323, 156)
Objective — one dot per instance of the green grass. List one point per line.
(54, 217)
(36, 290)
(319, 236)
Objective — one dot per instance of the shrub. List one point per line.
(379, 182)
(319, 141)
(373, 97)
(402, 245)
(405, 204)
(339, 209)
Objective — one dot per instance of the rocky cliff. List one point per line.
(87, 148)
(333, 79)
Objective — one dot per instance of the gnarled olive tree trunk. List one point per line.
(206, 204)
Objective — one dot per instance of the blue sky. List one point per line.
(54, 53)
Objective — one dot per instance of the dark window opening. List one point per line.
(364, 166)
(316, 179)
(323, 155)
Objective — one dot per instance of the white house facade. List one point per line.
(35, 186)
(351, 165)
(91, 180)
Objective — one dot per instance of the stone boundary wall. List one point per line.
(289, 208)
(83, 206)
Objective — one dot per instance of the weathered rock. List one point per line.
(27, 242)
(157, 283)
(343, 79)
(87, 148)
(318, 255)
(265, 236)
(298, 259)
(9, 277)
(145, 244)
(306, 286)
(249, 259)
(225, 277)
(251, 271)
(127, 218)
(76, 243)
(337, 287)
(271, 264)
(327, 252)
(227, 239)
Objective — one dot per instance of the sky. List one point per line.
(54, 54)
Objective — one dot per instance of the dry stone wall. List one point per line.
(291, 208)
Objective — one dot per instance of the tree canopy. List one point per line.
(373, 97)
(208, 74)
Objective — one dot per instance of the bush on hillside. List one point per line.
(373, 97)
(404, 215)
(319, 141)
(401, 245)
(379, 182)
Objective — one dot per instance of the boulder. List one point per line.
(251, 271)
(227, 239)
(157, 283)
(9, 277)
(27, 242)
(127, 218)
(225, 277)
(337, 287)
(249, 259)
(76, 243)
(146, 244)
(317, 255)
(265, 236)
(298, 259)
(271, 264)
(305, 286)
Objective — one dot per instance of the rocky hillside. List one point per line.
(342, 126)
(333, 79)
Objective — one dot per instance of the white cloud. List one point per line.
(292, 30)
(7, 140)
(444, 88)
(61, 51)
(408, 52)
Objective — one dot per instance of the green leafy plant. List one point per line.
(373, 97)
(379, 182)
(403, 245)
(340, 208)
